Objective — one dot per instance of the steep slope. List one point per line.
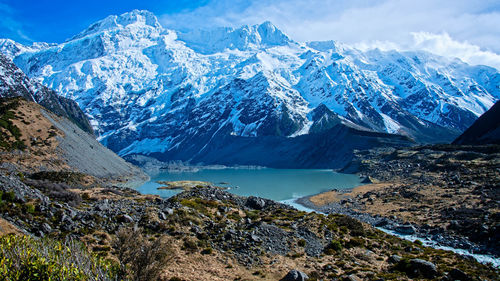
(485, 130)
(14, 83)
(330, 148)
(152, 91)
(54, 143)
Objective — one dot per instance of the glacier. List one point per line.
(206, 95)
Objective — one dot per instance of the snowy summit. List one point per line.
(191, 96)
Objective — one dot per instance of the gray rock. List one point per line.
(223, 209)
(125, 219)
(424, 268)
(457, 274)
(406, 229)
(255, 203)
(103, 206)
(352, 277)
(255, 238)
(295, 275)
(71, 213)
(46, 228)
(382, 223)
(162, 216)
(394, 259)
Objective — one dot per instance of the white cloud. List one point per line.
(472, 27)
(444, 45)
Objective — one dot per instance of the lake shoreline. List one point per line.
(342, 203)
(275, 184)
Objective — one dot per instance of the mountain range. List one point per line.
(252, 95)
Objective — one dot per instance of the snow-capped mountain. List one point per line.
(199, 95)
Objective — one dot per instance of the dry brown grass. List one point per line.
(40, 137)
(7, 228)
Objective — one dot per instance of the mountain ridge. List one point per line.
(485, 130)
(149, 89)
(13, 83)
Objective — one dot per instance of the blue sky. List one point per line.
(57, 20)
(468, 29)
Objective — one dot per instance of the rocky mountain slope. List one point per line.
(185, 96)
(52, 132)
(14, 83)
(37, 140)
(485, 130)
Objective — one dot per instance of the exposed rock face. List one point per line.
(53, 142)
(85, 154)
(485, 130)
(14, 83)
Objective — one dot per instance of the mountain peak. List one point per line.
(271, 35)
(138, 17)
(243, 38)
(141, 16)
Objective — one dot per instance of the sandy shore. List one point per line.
(335, 196)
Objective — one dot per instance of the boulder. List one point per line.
(295, 275)
(406, 229)
(256, 203)
(394, 259)
(162, 216)
(46, 228)
(424, 268)
(125, 219)
(457, 274)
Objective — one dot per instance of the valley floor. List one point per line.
(445, 193)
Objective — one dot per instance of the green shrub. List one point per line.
(403, 265)
(6, 114)
(29, 208)
(71, 178)
(8, 196)
(25, 258)
(355, 227)
(333, 247)
(355, 242)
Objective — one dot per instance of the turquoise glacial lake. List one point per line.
(276, 184)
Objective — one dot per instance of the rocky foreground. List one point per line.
(58, 183)
(209, 234)
(446, 193)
